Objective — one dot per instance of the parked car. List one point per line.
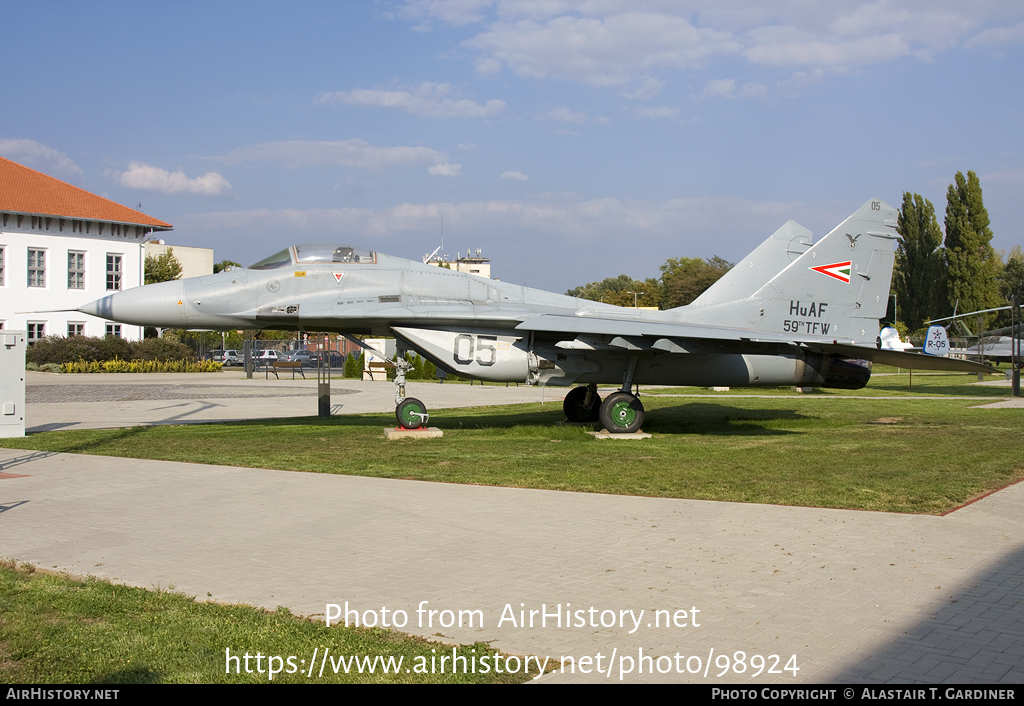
(297, 355)
(265, 358)
(332, 359)
(233, 358)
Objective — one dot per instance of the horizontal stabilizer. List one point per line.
(903, 359)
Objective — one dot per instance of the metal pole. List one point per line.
(323, 380)
(981, 347)
(247, 358)
(1015, 347)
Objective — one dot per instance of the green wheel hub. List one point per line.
(623, 413)
(408, 413)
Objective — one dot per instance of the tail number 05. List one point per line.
(485, 347)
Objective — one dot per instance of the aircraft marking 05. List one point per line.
(767, 322)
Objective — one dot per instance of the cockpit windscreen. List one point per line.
(316, 252)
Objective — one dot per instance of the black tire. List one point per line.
(578, 412)
(408, 413)
(622, 413)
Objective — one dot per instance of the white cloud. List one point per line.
(996, 36)
(633, 44)
(516, 175)
(594, 219)
(726, 89)
(565, 115)
(787, 47)
(721, 88)
(445, 169)
(646, 87)
(342, 153)
(662, 112)
(453, 12)
(428, 100)
(148, 178)
(605, 51)
(38, 156)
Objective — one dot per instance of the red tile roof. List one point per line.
(24, 190)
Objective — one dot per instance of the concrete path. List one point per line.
(855, 596)
(95, 401)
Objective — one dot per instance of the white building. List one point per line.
(195, 262)
(61, 247)
(473, 264)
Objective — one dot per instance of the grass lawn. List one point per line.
(57, 630)
(907, 455)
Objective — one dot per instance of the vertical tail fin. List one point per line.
(749, 274)
(838, 288)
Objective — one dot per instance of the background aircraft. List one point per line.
(791, 313)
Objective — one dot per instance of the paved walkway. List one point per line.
(856, 596)
(95, 401)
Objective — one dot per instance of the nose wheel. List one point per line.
(411, 413)
(622, 413)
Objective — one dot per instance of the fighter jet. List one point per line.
(791, 313)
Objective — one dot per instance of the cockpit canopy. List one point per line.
(312, 253)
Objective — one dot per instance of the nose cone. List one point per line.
(159, 304)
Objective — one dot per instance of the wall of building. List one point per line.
(65, 285)
(195, 262)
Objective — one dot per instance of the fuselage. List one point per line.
(466, 324)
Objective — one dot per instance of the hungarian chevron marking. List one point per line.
(837, 270)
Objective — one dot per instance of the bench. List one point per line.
(283, 366)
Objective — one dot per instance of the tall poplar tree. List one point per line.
(918, 277)
(972, 266)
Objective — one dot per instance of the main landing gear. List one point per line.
(582, 405)
(620, 413)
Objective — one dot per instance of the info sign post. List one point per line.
(12, 383)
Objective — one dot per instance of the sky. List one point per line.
(568, 141)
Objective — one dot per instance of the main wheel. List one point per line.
(411, 413)
(622, 413)
(576, 409)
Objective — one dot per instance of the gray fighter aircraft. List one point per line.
(791, 313)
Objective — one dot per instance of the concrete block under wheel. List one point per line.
(605, 434)
(421, 433)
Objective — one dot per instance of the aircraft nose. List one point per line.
(160, 304)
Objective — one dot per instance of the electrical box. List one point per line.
(12, 383)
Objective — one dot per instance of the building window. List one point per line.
(114, 330)
(113, 272)
(75, 329)
(36, 268)
(3, 269)
(76, 270)
(35, 332)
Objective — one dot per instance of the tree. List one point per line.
(224, 264)
(1011, 281)
(972, 266)
(918, 276)
(620, 291)
(685, 278)
(163, 267)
